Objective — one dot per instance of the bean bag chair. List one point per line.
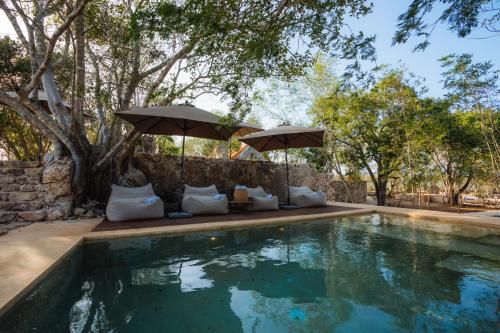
(204, 200)
(133, 203)
(303, 196)
(262, 200)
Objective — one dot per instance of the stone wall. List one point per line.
(164, 173)
(353, 191)
(31, 192)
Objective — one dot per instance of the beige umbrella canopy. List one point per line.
(284, 137)
(182, 119)
(185, 120)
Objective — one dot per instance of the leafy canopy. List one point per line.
(461, 16)
(243, 41)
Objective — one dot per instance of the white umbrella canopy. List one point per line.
(182, 119)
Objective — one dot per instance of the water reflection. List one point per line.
(358, 274)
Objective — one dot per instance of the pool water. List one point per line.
(370, 273)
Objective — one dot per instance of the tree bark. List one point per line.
(381, 191)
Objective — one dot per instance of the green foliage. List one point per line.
(470, 84)
(243, 41)
(462, 17)
(15, 67)
(370, 128)
(474, 87)
(455, 142)
(166, 146)
(19, 140)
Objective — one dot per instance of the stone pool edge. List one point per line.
(211, 226)
(29, 254)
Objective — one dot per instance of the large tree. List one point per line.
(137, 52)
(370, 128)
(455, 143)
(474, 87)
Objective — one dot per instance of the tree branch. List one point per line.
(35, 80)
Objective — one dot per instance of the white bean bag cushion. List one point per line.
(208, 190)
(261, 200)
(205, 204)
(256, 191)
(265, 203)
(133, 203)
(303, 196)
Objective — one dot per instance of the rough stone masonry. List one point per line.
(164, 173)
(32, 192)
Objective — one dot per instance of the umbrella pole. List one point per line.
(182, 170)
(287, 177)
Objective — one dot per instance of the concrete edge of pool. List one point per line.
(28, 254)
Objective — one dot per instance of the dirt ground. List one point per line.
(433, 206)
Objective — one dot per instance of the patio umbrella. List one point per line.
(185, 120)
(284, 137)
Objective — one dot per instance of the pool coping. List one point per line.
(60, 244)
(29, 254)
(222, 225)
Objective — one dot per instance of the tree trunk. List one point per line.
(456, 196)
(381, 191)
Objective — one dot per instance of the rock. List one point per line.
(5, 205)
(14, 171)
(22, 196)
(32, 172)
(27, 188)
(59, 189)
(89, 214)
(133, 177)
(33, 216)
(57, 171)
(55, 214)
(10, 188)
(21, 164)
(7, 179)
(60, 209)
(6, 216)
(79, 211)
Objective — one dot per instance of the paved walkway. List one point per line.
(27, 255)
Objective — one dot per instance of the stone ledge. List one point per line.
(28, 254)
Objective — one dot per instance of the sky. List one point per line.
(382, 22)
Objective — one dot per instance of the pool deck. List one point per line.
(28, 254)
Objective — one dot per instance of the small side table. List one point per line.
(240, 205)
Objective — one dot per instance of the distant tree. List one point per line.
(474, 87)
(455, 143)
(369, 127)
(462, 17)
(18, 139)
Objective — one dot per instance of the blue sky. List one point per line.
(382, 22)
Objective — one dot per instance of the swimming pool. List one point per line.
(371, 273)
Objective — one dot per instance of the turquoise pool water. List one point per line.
(354, 274)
